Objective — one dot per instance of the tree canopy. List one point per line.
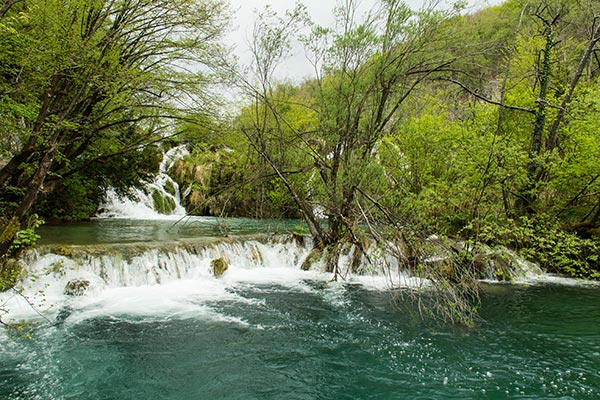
(83, 81)
(480, 127)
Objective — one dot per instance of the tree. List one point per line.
(365, 71)
(550, 58)
(78, 74)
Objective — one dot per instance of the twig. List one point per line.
(33, 307)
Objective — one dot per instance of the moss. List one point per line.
(256, 256)
(163, 204)
(10, 231)
(10, 271)
(219, 266)
(63, 251)
(314, 257)
(170, 188)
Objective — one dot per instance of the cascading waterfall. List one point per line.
(174, 272)
(152, 319)
(92, 275)
(164, 276)
(124, 313)
(158, 199)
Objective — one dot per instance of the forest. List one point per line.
(478, 126)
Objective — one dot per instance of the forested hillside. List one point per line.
(480, 126)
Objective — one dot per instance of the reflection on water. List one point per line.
(105, 231)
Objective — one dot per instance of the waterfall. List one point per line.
(166, 277)
(158, 199)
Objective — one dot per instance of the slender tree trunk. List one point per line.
(552, 140)
(528, 194)
(10, 171)
(314, 227)
(36, 184)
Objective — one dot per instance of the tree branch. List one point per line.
(486, 99)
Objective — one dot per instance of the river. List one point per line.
(155, 324)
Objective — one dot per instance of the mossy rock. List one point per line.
(315, 256)
(63, 251)
(170, 188)
(219, 266)
(481, 264)
(76, 287)
(256, 256)
(299, 238)
(163, 204)
(503, 265)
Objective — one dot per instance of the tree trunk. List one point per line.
(552, 140)
(36, 184)
(11, 170)
(528, 196)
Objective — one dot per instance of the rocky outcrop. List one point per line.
(76, 287)
(219, 266)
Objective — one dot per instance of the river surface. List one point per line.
(272, 331)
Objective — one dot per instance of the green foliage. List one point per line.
(10, 272)
(87, 87)
(543, 241)
(25, 239)
(20, 329)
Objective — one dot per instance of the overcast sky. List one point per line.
(244, 14)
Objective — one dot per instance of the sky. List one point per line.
(244, 13)
(296, 68)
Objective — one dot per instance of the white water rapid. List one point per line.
(172, 279)
(177, 279)
(116, 266)
(143, 203)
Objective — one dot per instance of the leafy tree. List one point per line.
(86, 80)
(365, 72)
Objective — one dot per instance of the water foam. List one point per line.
(175, 280)
(140, 204)
(161, 281)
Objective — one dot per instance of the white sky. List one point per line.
(319, 10)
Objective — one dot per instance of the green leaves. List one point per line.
(86, 90)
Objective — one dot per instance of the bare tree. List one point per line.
(365, 71)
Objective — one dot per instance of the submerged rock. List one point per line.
(63, 251)
(76, 287)
(219, 266)
(63, 314)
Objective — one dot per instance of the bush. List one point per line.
(542, 240)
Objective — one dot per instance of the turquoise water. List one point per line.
(104, 231)
(316, 341)
(271, 331)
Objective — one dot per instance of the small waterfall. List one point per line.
(158, 199)
(165, 278)
(139, 264)
(179, 278)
